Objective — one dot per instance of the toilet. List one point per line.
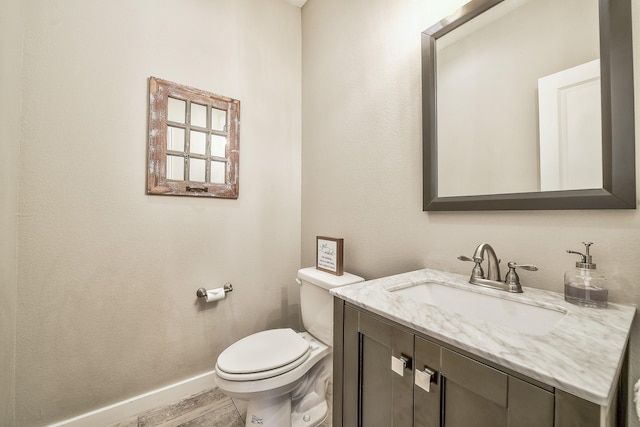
(284, 374)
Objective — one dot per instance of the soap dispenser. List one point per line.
(582, 285)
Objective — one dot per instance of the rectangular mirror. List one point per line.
(528, 104)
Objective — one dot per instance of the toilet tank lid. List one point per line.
(327, 280)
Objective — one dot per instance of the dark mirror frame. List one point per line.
(618, 133)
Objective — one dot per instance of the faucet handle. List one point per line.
(476, 260)
(477, 269)
(529, 267)
(512, 279)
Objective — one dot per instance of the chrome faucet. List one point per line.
(511, 281)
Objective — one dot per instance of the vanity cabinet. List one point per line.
(387, 375)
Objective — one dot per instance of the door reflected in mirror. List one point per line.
(570, 129)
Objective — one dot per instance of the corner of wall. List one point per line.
(11, 35)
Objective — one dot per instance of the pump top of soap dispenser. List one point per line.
(585, 263)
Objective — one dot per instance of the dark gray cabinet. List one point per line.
(377, 396)
(474, 394)
(386, 375)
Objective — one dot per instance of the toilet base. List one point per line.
(309, 399)
(305, 406)
(311, 417)
(275, 411)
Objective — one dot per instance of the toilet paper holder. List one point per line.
(202, 292)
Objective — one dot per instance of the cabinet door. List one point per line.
(477, 395)
(474, 394)
(530, 406)
(571, 411)
(384, 396)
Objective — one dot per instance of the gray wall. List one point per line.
(10, 84)
(362, 163)
(107, 275)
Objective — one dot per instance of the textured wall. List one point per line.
(10, 84)
(106, 274)
(362, 163)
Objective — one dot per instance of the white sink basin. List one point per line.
(522, 317)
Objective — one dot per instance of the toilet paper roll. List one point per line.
(214, 294)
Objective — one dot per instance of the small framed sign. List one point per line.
(329, 255)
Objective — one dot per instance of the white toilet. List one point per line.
(282, 373)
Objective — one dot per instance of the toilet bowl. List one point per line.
(284, 374)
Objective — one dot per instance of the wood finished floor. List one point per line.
(210, 408)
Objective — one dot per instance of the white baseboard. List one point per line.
(128, 408)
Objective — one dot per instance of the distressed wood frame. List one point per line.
(157, 182)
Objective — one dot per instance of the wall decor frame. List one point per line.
(330, 255)
(193, 146)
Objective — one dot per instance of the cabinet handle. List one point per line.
(399, 364)
(425, 378)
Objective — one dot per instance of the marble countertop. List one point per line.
(581, 355)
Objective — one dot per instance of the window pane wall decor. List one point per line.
(193, 142)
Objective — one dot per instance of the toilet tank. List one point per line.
(316, 303)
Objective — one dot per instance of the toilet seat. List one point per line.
(263, 355)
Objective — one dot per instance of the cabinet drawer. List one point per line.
(375, 329)
(475, 377)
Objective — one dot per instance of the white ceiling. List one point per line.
(298, 3)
